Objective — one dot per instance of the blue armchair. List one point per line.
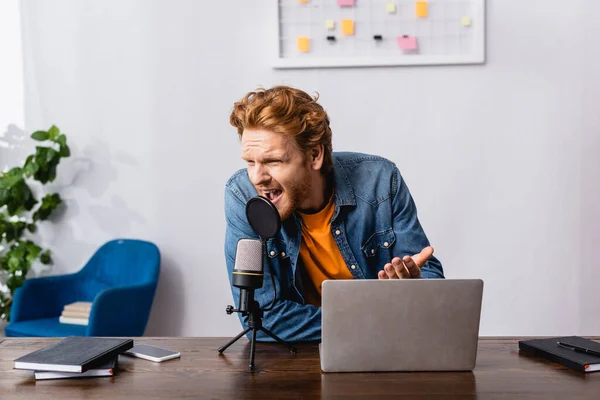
(120, 280)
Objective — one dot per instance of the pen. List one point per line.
(578, 349)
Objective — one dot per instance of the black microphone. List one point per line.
(248, 273)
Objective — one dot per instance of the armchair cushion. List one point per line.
(50, 326)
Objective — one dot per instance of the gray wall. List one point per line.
(499, 158)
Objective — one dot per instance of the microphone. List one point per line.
(248, 270)
(248, 273)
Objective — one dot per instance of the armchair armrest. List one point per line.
(43, 297)
(121, 311)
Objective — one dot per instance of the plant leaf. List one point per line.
(53, 132)
(61, 140)
(49, 204)
(45, 257)
(40, 136)
(65, 151)
(30, 167)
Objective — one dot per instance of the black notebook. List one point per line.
(108, 369)
(74, 354)
(568, 357)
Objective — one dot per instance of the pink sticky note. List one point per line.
(346, 3)
(407, 42)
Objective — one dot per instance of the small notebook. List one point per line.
(551, 351)
(74, 354)
(73, 320)
(107, 369)
(81, 306)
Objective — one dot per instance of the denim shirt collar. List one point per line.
(344, 195)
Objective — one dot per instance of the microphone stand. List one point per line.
(250, 308)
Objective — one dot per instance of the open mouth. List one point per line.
(272, 195)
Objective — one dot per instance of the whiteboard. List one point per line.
(381, 33)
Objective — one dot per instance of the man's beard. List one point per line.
(296, 193)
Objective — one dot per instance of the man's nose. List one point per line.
(259, 175)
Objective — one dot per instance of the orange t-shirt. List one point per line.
(319, 252)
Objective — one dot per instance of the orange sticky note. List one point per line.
(303, 44)
(302, 1)
(421, 8)
(348, 27)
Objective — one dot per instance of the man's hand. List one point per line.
(406, 267)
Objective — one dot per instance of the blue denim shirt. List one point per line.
(375, 220)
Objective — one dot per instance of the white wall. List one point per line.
(500, 158)
(11, 78)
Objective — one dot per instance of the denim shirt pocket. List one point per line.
(276, 248)
(379, 240)
(279, 260)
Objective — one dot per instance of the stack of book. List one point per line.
(77, 313)
(75, 357)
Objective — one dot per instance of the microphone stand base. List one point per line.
(255, 325)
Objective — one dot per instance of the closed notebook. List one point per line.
(74, 354)
(81, 306)
(551, 351)
(73, 321)
(107, 369)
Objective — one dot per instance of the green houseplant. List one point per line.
(20, 211)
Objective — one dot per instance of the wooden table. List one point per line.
(501, 372)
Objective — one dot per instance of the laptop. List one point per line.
(400, 325)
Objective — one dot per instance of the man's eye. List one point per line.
(250, 163)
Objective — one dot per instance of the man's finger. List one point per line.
(382, 275)
(421, 258)
(400, 268)
(390, 271)
(413, 268)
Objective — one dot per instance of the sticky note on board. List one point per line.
(302, 1)
(465, 21)
(346, 3)
(329, 24)
(390, 7)
(302, 43)
(421, 9)
(407, 42)
(348, 27)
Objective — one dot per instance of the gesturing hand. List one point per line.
(406, 267)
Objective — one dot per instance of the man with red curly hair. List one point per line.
(344, 215)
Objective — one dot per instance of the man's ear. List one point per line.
(317, 155)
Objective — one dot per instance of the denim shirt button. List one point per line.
(372, 251)
(386, 244)
(283, 254)
(337, 232)
(353, 266)
(272, 253)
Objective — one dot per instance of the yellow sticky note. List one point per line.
(329, 24)
(348, 27)
(302, 44)
(390, 7)
(465, 21)
(302, 1)
(421, 8)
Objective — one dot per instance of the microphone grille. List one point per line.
(248, 256)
